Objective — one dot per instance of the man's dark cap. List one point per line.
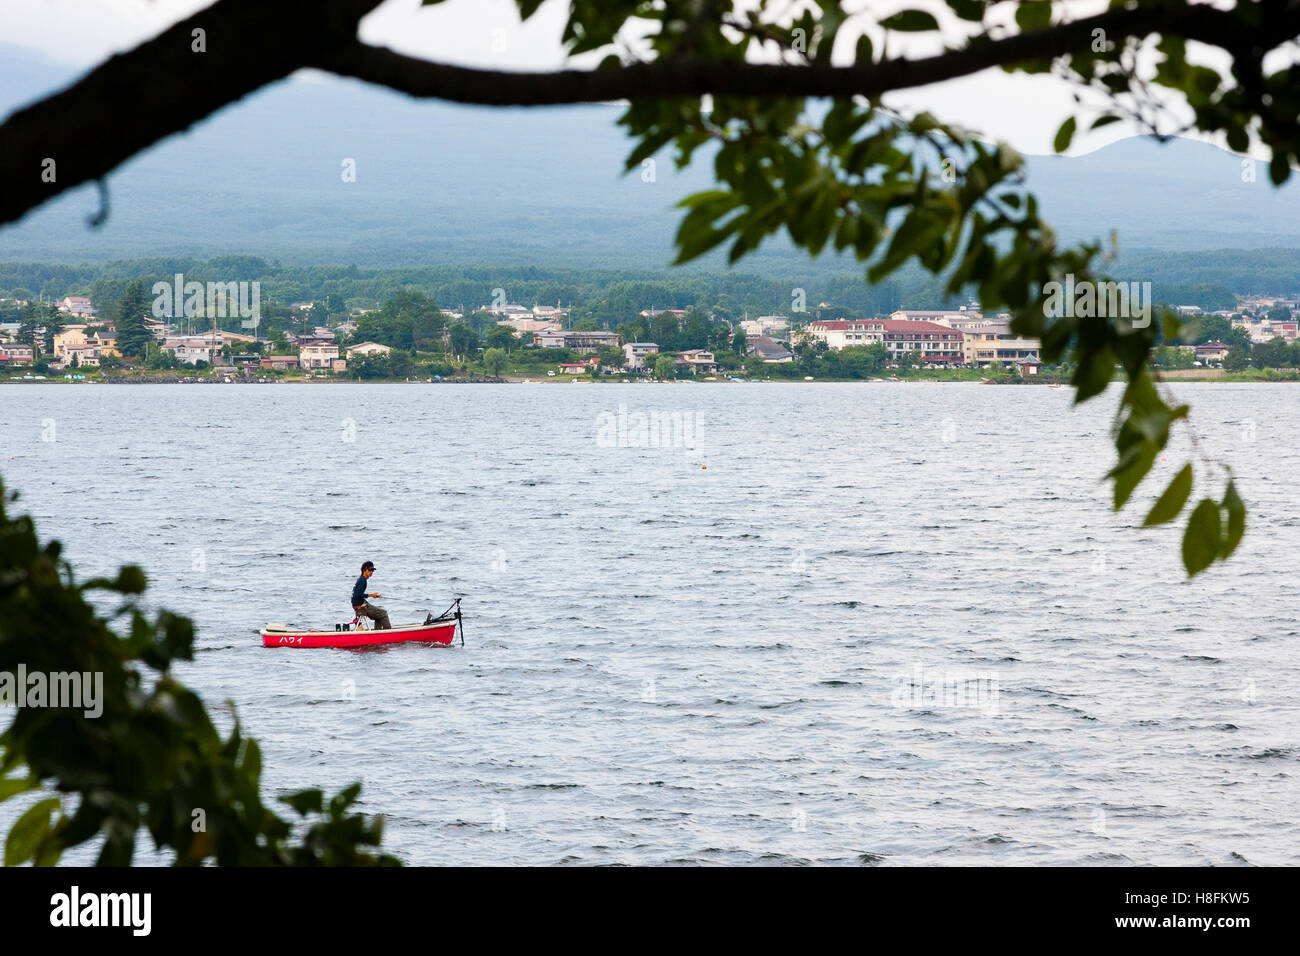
(368, 566)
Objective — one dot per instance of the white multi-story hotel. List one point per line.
(935, 342)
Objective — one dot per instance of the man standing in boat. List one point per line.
(363, 607)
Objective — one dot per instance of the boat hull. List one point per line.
(435, 632)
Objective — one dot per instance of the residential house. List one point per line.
(765, 325)
(76, 305)
(509, 311)
(279, 363)
(769, 350)
(71, 336)
(14, 355)
(368, 348)
(105, 341)
(528, 325)
(550, 339)
(72, 346)
(582, 342)
(195, 351)
(546, 313)
(318, 356)
(698, 360)
(636, 353)
(1213, 351)
(192, 349)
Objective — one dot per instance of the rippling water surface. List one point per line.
(862, 623)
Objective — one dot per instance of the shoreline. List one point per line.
(1224, 379)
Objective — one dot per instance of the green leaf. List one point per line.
(26, 834)
(1096, 369)
(1132, 468)
(1171, 502)
(1201, 541)
(1034, 15)
(305, 801)
(864, 52)
(1064, 135)
(1236, 509)
(910, 21)
(9, 786)
(1278, 168)
(972, 10)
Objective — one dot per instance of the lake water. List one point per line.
(811, 623)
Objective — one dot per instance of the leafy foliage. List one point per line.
(153, 759)
(855, 176)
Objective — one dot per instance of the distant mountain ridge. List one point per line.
(444, 184)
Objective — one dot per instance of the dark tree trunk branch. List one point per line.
(134, 99)
(160, 88)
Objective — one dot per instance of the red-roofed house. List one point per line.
(11, 355)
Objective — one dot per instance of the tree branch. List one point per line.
(162, 87)
(695, 77)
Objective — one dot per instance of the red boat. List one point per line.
(439, 631)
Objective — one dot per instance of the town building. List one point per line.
(577, 368)
(981, 335)
(765, 325)
(76, 305)
(72, 346)
(547, 313)
(368, 348)
(636, 353)
(983, 353)
(936, 343)
(15, 355)
(1265, 330)
(509, 311)
(698, 360)
(582, 342)
(192, 353)
(960, 314)
(204, 347)
(528, 325)
(1212, 351)
(769, 350)
(279, 363)
(318, 355)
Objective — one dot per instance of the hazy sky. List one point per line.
(1024, 111)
